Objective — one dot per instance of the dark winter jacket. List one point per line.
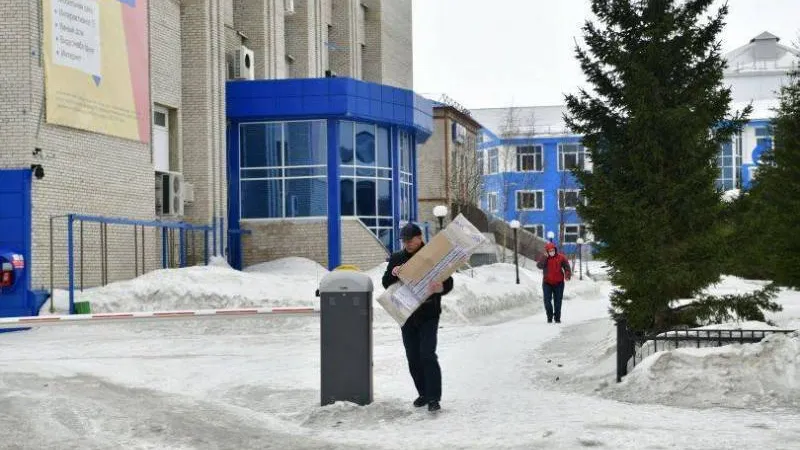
(555, 268)
(432, 307)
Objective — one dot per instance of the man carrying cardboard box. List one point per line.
(420, 331)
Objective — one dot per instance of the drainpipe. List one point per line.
(447, 132)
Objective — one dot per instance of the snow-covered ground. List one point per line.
(510, 379)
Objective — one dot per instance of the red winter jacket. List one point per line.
(555, 268)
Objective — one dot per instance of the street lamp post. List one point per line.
(580, 257)
(551, 236)
(514, 224)
(440, 211)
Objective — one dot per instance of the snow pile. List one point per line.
(750, 375)
(730, 195)
(291, 266)
(480, 295)
(215, 286)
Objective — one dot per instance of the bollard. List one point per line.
(346, 337)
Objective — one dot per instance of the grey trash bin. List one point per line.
(346, 337)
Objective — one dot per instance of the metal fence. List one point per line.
(633, 346)
(90, 251)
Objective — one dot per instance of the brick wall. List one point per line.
(165, 53)
(228, 8)
(85, 173)
(359, 246)
(432, 178)
(280, 239)
(300, 42)
(17, 36)
(373, 50)
(396, 54)
(262, 22)
(204, 95)
(309, 239)
(431, 182)
(344, 36)
(306, 36)
(90, 173)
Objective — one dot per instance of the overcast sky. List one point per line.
(494, 53)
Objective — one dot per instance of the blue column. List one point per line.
(70, 264)
(164, 236)
(182, 247)
(334, 197)
(234, 196)
(395, 133)
(413, 154)
(205, 247)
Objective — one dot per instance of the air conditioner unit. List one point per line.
(288, 6)
(169, 194)
(244, 64)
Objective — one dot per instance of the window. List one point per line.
(481, 161)
(494, 161)
(569, 198)
(572, 232)
(571, 156)
(537, 229)
(764, 138)
(283, 169)
(530, 200)
(530, 159)
(729, 162)
(491, 202)
(366, 176)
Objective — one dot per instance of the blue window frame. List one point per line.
(729, 162)
(366, 176)
(406, 177)
(283, 169)
(494, 160)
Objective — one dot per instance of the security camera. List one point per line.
(38, 171)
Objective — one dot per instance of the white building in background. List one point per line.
(755, 73)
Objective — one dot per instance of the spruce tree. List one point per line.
(771, 216)
(653, 126)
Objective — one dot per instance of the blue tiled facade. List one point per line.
(327, 148)
(506, 183)
(527, 188)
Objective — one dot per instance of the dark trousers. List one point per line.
(556, 293)
(420, 343)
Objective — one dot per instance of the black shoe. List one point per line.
(549, 320)
(558, 320)
(420, 402)
(434, 406)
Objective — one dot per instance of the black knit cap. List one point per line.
(409, 231)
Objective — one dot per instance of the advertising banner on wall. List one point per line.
(96, 66)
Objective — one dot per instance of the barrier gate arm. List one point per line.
(76, 319)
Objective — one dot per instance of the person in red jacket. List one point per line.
(556, 270)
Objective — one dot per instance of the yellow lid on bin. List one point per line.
(350, 267)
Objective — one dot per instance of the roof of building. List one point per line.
(766, 36)
(523, 121)
(461, 116)
(762, 53)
